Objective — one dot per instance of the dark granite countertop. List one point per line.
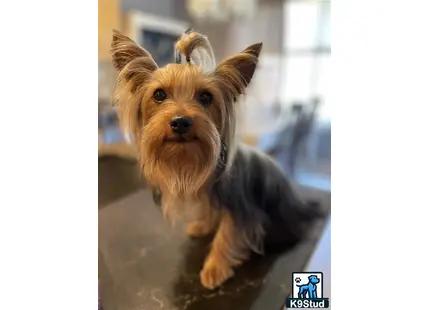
(144, 263)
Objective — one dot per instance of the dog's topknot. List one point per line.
(197, 49)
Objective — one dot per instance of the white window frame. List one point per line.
(314, 53)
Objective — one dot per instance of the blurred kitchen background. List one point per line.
(287, 110)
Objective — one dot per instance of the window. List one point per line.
(306, 50)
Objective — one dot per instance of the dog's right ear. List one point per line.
(135, 66)
(124, 50)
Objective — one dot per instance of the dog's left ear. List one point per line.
(237, 71)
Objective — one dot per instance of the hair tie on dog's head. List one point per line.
(178, 55)
(178, 58)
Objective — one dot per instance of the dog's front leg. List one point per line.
(228, 250)
(206, 224)
(201, 228)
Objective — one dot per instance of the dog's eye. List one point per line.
(159, 95)
(205, 97)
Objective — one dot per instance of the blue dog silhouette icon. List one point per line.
(309, 290)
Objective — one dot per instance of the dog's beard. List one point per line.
(181, 168)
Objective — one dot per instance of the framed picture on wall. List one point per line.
(157, 34)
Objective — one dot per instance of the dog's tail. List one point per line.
(307, 212)
(292, 218)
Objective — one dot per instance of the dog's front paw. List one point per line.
(214, 274)
(198, 229)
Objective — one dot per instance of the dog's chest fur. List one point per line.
(257, 195)
(186, 209)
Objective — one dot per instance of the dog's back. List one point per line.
(258, 194)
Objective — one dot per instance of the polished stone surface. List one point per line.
(144, 263)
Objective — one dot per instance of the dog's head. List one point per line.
(314, 279)
(180, 115)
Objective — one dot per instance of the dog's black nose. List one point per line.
(181, 124)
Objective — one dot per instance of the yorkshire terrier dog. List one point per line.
(182, 118)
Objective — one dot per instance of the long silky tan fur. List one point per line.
(248, 207)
